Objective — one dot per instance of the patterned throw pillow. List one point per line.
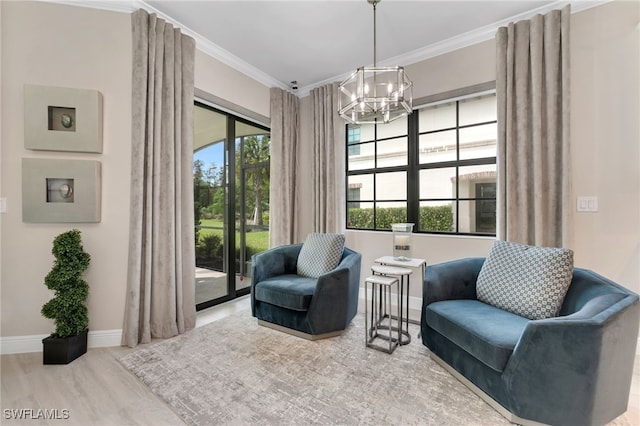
(320, 253)
(525, 280)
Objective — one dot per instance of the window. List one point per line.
(435, 168)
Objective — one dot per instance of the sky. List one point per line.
(213, 154)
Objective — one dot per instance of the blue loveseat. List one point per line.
(574, 369)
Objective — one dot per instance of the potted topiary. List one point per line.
(67, 309)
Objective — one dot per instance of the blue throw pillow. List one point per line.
(320, 253)
(525, 280)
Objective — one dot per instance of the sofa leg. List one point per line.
(299, 333)
(486, 398)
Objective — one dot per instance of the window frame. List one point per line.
(413, 167)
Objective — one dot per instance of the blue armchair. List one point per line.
(573, 369)
(306, 307)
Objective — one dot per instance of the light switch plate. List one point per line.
(587, 204)
(3, 204)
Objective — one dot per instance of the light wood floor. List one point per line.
(96, 390)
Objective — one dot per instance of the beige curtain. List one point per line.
(534, 203)
(160, 299)
(328, 160)
(285, 133)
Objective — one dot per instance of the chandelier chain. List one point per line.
(374, 34)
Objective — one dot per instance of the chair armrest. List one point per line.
(335, 300)
(451, 280)
(273, 262)
(329, 301)
(577, 366)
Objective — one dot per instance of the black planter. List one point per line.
(63, 350)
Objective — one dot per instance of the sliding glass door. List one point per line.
(231, 202)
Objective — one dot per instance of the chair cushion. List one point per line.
(488, 333)
(525, 280)
(320, 253)
(287, 291)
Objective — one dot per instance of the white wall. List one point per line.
(605, 138)
(67, 46)
(218, 79)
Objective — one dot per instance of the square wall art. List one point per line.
(61, 119)
(57, 191)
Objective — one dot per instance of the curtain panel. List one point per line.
(534, 188)
(285, 134)
(160, 299)
(328, 160)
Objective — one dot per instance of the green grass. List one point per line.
(257, 240)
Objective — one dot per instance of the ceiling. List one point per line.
(314, 42)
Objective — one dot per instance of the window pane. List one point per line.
(478, 141)
(437, 117)
(472, 175)
(367, 132)
(256, 149)
(437, 216)
(477, 216)
(392, 152)
(361, 156)
(360, 215)
(353, 140)
(438, 183)
(395, 128)
(478, 110)
(364, 184)
(353, 193)
(437, 147)
(391, 186)
(388, 213)
(353, 134)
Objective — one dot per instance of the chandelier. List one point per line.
(375, 94)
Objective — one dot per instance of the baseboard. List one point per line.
(33, 343)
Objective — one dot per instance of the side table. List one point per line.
(381, 309)
(403, 264)
(398, 273)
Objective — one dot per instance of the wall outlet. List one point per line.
(587, 204)
(3, 204)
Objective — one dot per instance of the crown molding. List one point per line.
(436, 49)
(485, 33)
(218, 52)
(470, 38)
(206, 46)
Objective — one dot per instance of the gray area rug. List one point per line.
(234, 371)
